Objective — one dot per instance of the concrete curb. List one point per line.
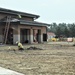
(4, 71)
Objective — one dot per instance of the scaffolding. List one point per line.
(6, 30)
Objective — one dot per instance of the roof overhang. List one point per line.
(13, 12)
(34, 23)
(25, 22)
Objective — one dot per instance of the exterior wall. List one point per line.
(2, 16)
(1, 33)
(23, 18)
(30, 35)
(16, 34)
(16, 29)
(42, 31)
(27, 18)
(29, 27)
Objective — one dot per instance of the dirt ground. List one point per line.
(56, 59)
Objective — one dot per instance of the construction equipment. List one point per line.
(6, 30)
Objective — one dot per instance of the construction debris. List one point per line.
(34, 48)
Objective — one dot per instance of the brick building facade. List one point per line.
(22, 27)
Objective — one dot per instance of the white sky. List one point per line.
(49, 10)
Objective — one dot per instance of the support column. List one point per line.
(28, 34)
(31, 36)
(40, 36)
(16, 34)
(19, 35)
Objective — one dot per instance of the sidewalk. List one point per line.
(4, 71)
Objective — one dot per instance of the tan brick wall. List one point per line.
(2, 16)
(24, 18)
(1, 29)
(43, 29)
(27, 18)
(15, 29)
(33, 27)
(1, 33)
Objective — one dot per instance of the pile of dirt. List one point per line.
(34, 48)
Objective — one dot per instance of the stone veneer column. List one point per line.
(16, 34)
(40, 36)
(28, 34)
(31, 36)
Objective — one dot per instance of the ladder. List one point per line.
(6, 29)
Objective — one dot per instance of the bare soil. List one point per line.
(54, 59)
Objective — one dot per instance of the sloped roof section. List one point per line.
(25, 22)
(13, 12)
(35, 23)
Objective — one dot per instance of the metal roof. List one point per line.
(13, 12)
(25, 22)
(33, 23)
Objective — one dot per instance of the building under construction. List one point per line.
(21, 27)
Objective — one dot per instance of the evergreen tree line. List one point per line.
(62, 29)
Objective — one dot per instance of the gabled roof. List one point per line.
(13, 12)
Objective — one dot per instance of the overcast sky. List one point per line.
(49, 10)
